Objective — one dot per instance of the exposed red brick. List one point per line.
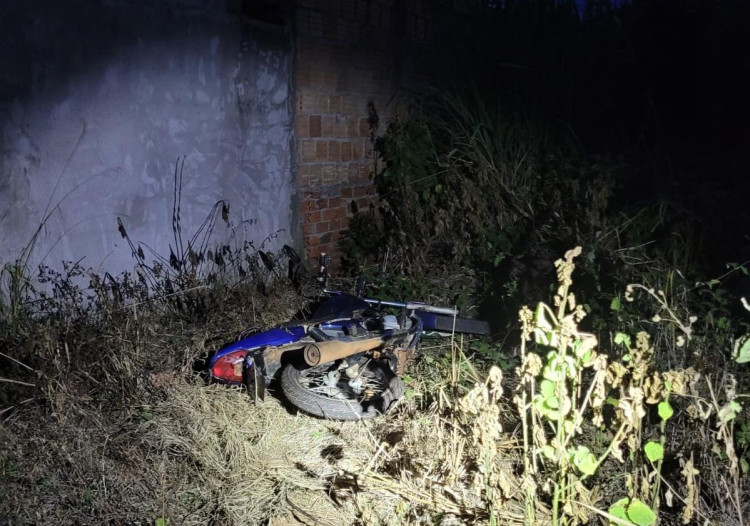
(346, 151)
(308, 205)
(301, 127)
(329, 174)
(357, 150)
(307, 149)
(317, 77)
(333, 213)
(364, 127)
(342, 173)
(362, 191)
(321, 150)
(353, 171)
(314, 217)
(350, 106)
(334, 151)
(335, 77)
(327, 126)
(315, 127)
(340, 126)
(311, 102)
(351, 127)
(334, 103)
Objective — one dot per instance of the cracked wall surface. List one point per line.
(98, 101)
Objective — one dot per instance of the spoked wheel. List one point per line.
(342, 391)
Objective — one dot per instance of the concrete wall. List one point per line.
(98, 99)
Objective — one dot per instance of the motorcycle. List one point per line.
(346, 361)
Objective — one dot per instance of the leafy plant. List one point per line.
(571, 385)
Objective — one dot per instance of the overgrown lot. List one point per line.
(614, 386)
(106, 420)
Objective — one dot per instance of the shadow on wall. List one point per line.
(98, 101)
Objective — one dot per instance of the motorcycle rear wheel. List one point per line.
(327, 391)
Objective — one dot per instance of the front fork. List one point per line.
(253, 378)
(403, 355)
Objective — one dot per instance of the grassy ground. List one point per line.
(105, 420)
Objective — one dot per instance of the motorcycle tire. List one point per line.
(324, 391)
(462, 325)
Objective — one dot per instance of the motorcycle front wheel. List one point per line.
(342, 391)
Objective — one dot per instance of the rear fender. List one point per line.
(278, 339)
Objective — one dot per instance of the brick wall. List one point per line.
(348, 52)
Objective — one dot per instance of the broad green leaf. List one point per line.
(654, 451)
(566, 406)
(742, 349)
(619, 509)
(640, 514)
(665, 410)
(622, 338)
(161, 521)
(729, 411)
(547, 388)
(549, 452)
(615, 305)
(583, 460)
(569, 426)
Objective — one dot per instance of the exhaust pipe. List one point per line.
(329, 351)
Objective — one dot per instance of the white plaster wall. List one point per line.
(98, 102)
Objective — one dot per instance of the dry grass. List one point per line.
(252, 464)
(119, 429)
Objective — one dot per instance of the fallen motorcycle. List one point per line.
(346, 361)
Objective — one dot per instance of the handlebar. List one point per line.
(324, 262)
(418, 305)
(414, 305)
